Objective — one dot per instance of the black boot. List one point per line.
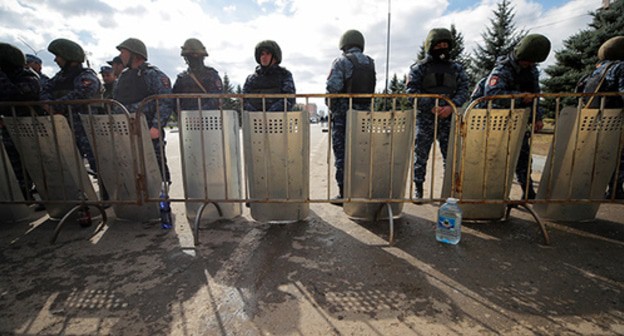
(418, 193)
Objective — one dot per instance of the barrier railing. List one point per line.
(271, 166)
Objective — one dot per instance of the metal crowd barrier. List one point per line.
(482, 156)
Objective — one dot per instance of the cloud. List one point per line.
(306, 30)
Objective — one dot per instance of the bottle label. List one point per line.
(446, 222)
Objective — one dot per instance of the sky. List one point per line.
(307, 31)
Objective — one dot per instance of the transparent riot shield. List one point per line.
(277, 154)
(210, 150)
(10, 192)
(46, 145)
(119, 163)
(378, 147)
(485, 159)
(582, 158)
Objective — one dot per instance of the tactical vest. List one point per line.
(440, 78)
(270, 82)
(361, 81)
(591, 86)
(64, 84)
(132, 86)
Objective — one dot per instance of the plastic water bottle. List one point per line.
(448, 229)
(165, 210)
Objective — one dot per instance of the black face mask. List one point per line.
(440, 54)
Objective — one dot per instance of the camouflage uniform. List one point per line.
(508, 77)
(457, 92)
(16, 84)
(209, 79)
(132, 87)
(351, 72)
(73, 83)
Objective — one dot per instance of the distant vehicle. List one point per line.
(313, 120)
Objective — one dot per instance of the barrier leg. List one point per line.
(198, 219)
(99, 228)
(538, 220)
(390, 225)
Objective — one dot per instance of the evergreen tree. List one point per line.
(499, 39)
(580, 53)
(229, 103)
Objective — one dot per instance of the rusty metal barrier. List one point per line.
(134, 166)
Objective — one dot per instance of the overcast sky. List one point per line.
(308, 31)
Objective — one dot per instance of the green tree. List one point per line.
(580, 53)
(499, 39)
(395, 87)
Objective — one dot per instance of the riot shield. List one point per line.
(582, 158)
(377, 154)
(277, 154)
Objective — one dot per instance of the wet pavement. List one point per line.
(327, 275)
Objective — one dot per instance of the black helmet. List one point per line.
(193, 46)
(533, 48)
(351, 38)
(612, 49)
(437, 35)
(69, 50)
(135, 46)
(272, 47)
(11, 56)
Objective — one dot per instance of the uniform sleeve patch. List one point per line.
(493, 81)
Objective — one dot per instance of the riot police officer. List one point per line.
(35, 63)
(608, 77)
(16, 84)
(351, 72)
(269, 78)
(435, 74)
(517, 73)
(72, 82)
(139, 81)
(198, 78)
(108, 77)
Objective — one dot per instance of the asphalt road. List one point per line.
(327, 275)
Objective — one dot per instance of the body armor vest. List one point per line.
(440, 78)
(361, 81)
(592, 86)
(270, 82)
(132, 86)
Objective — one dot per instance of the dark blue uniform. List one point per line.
(17, 84)
(132, 87)
(434, 76)
(210, 83)
(273, 79)
(351, 72)
(508, 77)
(74, 83)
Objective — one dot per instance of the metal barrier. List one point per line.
(481, 158)
(10, 192)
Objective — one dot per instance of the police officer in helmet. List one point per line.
(517, 73)
(198, 78)
(351, 72)
(269, 78)
(435, 74)
(73, 82)
(139, 81)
